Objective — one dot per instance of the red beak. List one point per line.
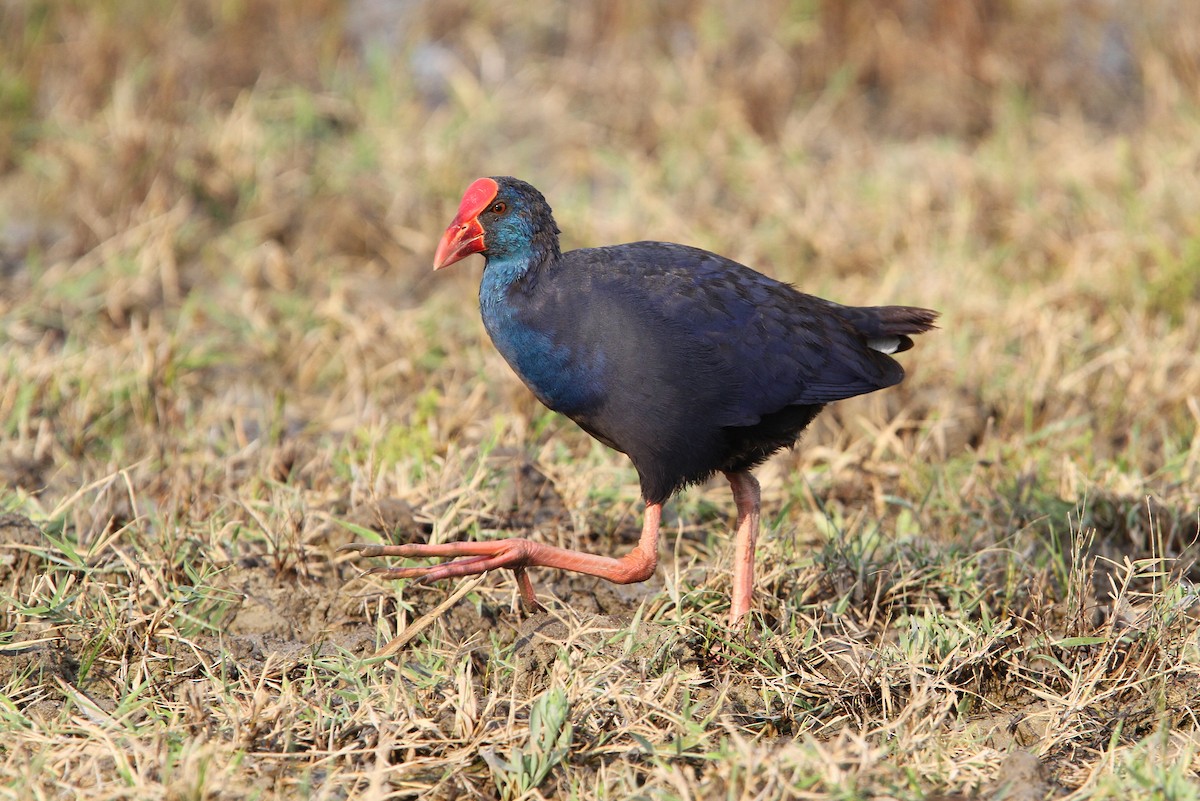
(464, 236)
(459, 241)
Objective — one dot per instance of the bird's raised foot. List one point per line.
(467, 559)
(473, 558)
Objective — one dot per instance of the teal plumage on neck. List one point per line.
(555, 373)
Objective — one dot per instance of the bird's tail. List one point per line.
(889, 329)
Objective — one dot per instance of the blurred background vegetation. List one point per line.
(244, 177)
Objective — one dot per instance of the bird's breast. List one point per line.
(563, 377)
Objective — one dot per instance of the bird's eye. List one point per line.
(499, 208)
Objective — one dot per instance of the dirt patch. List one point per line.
(20, 538)
(39, 663)
(28, 473)
(288, 604)
(1020, 779)
(289, 614)
(529, 496)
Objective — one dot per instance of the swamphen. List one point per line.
(687, 362)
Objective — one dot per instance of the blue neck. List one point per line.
(499, 275)
(557, 376)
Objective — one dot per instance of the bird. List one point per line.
(689, 363)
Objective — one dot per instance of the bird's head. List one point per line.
(498, 217)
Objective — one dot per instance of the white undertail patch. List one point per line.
(884, 344)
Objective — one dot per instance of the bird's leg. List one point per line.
(746, 495)
(525, 587)
(472, 558)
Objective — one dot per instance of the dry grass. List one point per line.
(223, 355)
